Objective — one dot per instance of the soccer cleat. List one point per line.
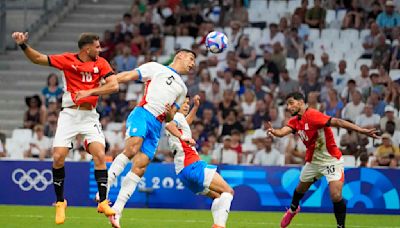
(216, 226)
(60, 211)
(104, 207)
(288, 216)
(114, 220)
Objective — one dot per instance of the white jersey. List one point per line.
(163, 86)
(184, 154)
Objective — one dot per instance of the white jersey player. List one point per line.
(196, 174)
(165, 91)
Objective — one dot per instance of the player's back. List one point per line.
(184, 154)
(79, 75)
(163, 86)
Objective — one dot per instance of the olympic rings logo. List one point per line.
(32, 179)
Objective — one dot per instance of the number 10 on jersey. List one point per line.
(86, 76)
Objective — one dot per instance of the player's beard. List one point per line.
(296, 112)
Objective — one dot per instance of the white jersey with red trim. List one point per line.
(184, 154)
(163, 86)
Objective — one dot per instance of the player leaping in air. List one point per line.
(82, 70)
(164, 93)
(323, 157)
(196, 175)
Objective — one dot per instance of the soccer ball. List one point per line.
(216, 42)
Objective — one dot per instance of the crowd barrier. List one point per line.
(257, 188)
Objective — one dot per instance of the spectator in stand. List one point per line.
(225, 155)
(328, 85)
(139, 41)
(268, 155)
(245, 53)
(354, 108)
(231, 123)
(205, 83)
(35, 114)
(363, 80)
(156, 41)
(312, 83)
(274, 36)
(125, 61)
(368, 119)
(205, 152)
(236, 33)
(259, 87)
(248, 103)
(386, 154)
(370, 41)
(209, 121)
(301, 11)
(172, 23)
(294, 44)
(237, 12)
(391, 129)
(315, 16)
(302, 28)
(146, 26)
(378, 104)
(107, 46)
(341, 77)
(388, 19)
(284, 26)
(228, 82)
(40, 145)
(193, 20)
(274, 117)
(389, 116)
(354, 16)
(347, 93)
(312, 102)
(334, 106)
(126, 24)
(287, 84)
(269, 70)
(295, 152)
(216, 94)
(260, 115)
(353, 143)
(327, 68)
(381, 53)
(118, 143)
(310, 58)
(51, 125)
(373, 14)
(395, 60)
(393, 95)
(3, 151)
(236, 144)
(52, 91)
(278, 56)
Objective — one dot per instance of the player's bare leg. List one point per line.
(298, 194)
(339, 205)
(221, 205)
(132, 147)
(59, 155)
(97, 150)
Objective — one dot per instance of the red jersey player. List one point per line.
(323, 157)
(82, 70)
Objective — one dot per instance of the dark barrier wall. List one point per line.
(256, 188)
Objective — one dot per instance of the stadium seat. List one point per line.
(340, 15)
(394, 74)
(184, 41)
(251, 71)
(290, 64)
(330, 16)
(330, 34)
(114, 126)
(314, 34)
(254, 35)
(169, 45)
(258, 5)
(299, 62)
(213, 72)
(322, 45)
(163, 58)
(15, 149)
(278, 6)
(349, 161)
(360, 62)
(364, 33)
(351, 35)
(341, 45)
(293, 4)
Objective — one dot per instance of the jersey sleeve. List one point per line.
(146, 71)
(292, 124)
(179, 120)
(105, 69)
(57, 61)
(320, 120)
(180, 99)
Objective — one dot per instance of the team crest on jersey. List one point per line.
(306, 127)
(96, 70)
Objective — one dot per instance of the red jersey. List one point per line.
(314, 129)
(79, 75)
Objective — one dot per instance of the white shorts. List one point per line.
(73, 122)
(332, 171)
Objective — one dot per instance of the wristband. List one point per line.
(23, 46)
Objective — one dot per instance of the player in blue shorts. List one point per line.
(164, 92)
(196, 174)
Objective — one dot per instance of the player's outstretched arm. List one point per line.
(173, 129)
(192, 114)
(336, 122)
(111, 86)
(34, 56)
(127, 76)
(278, 132)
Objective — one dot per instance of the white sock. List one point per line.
(128, 186)
(116, 168)
(220, 208)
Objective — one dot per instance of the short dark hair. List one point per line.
(295, 95)
(87, 38)
(186, 50)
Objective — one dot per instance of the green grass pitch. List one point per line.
(43, 217)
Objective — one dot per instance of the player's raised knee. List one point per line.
(336, 196)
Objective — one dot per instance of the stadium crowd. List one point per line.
(244, 87)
